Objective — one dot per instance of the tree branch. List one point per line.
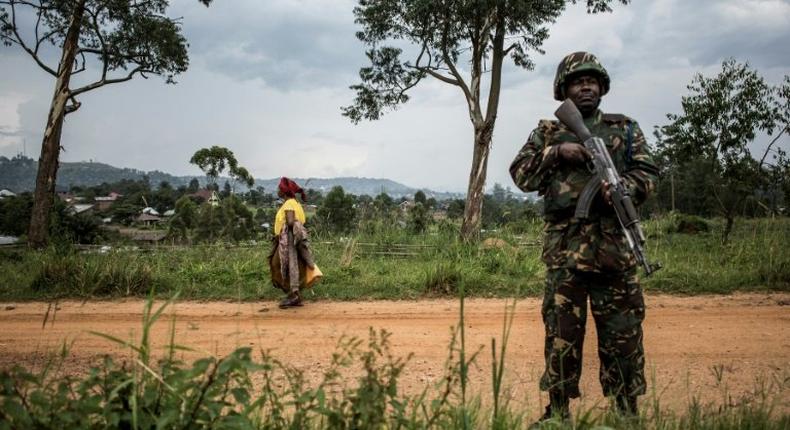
(46, 37)
(496, 72)
(38, 22)
(429, 68)
(22, 43)
(473, 109)
(104, 56)
(768, 149)
(73, 106)
(440, 77)
(22, 2)
(79, 68)
(104, 82)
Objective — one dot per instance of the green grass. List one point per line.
(755, 259)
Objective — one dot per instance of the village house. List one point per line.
(207, 196)
(406, 205)
(67, 197)
(103, 203)
(151, 237)
(82, 208)
(148, 219)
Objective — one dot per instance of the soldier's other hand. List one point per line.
(574, 153)
(607, 192)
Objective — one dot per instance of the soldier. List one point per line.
(590, 257)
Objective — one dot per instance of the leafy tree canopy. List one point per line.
(213, 162)
(722, 116)
(123, 38)
(444, 32)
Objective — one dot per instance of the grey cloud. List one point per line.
(661, 34)
(706, 32)
(279, 44)
(9, 132)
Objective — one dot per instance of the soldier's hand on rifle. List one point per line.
(607, 193)
(574, 153)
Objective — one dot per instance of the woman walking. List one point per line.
(291, 261)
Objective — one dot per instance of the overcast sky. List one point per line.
(268, 77)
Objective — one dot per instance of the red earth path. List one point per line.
(719, 348)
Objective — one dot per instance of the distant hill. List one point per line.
(18, 174)
(358, 186)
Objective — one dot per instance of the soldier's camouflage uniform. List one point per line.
(588, 257)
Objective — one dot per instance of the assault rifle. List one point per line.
(605, 170)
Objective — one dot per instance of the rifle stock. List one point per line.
(569, 115)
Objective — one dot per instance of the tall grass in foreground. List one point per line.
(359, 390)
(393, 264)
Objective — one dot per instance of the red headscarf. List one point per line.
(289, 188)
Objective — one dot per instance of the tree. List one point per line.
(213, 161)
(337, 210)
(455, 209)
(164, 198)
(431, 203)
(499, 193)
(447, 35)
(383, 205)
(184, 219)
(721, 117)
(492, 211)
(255, 196)
(194, 185)
(239, 223)
(68, 227)
(116, 39)
(418, 217)
(779, 166)
(419, 197)
(15, 214)
(313, 196)
(210, 223)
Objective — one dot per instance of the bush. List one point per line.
(442, 278)
(691, 224)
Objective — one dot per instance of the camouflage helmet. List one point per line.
(575, 63)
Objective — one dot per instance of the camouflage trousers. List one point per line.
(618, 309)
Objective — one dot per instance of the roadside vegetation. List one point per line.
(393, 263)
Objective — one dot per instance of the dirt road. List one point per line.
(702, 346)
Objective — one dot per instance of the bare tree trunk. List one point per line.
(728, 228)
(38, 235)
(473, 210)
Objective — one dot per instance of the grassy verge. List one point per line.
(398, 266)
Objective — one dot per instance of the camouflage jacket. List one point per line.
(596, 244)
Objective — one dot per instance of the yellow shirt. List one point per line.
(289, 205)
